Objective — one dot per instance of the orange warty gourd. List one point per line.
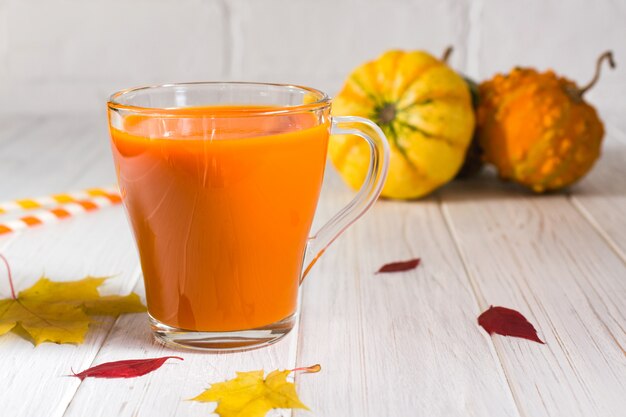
(537, 129)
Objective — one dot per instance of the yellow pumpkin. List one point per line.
(425, 110)
(537, 129)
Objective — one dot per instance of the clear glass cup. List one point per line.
(220, 182)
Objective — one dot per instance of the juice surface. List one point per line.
(221, 209)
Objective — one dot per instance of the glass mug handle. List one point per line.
(367, 195)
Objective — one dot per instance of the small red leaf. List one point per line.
(507, 322)
(400, 266)
(124, 369)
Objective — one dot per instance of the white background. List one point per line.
(67, 56)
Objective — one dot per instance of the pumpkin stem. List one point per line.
(387, 113)
(607, 56)
(446, 54)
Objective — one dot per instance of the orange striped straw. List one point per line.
(55, 214)
(49, 200)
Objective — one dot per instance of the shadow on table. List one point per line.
(608, 176)
(606, 179)
(487, 186)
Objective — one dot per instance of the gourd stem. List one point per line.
(387, 113)
(607, 56)
(446, 54)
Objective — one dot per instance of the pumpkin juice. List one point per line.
(221, 200)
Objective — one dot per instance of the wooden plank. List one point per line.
(403, 344)
(98, 245)
(601, 196)
(39, 156)
(76, 155)
(539, 255)
(42, 155)
(164, 392)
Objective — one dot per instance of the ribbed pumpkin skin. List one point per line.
(536, 129)
(429, 132)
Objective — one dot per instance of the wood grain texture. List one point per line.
(165, 391)
(47, 154)
(601, 196)
(68, 154)
(67, 251)
(403, 344)
(539, 255)
(39, 156)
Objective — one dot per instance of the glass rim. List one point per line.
(323, 100)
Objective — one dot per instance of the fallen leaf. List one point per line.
(60, 311)
(249, 395)
(400, 266)
(507, 322)
(124, 369)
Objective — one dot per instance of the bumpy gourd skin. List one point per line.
(425, 110)
(537, 130)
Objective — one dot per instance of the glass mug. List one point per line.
(220, 182)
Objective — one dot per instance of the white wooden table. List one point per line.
(390, 345)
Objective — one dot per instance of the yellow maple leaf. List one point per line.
(60, 311)
(249, 395)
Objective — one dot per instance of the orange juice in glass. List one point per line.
(220, 182)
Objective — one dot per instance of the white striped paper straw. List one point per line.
(49, 200)
(55, 214)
